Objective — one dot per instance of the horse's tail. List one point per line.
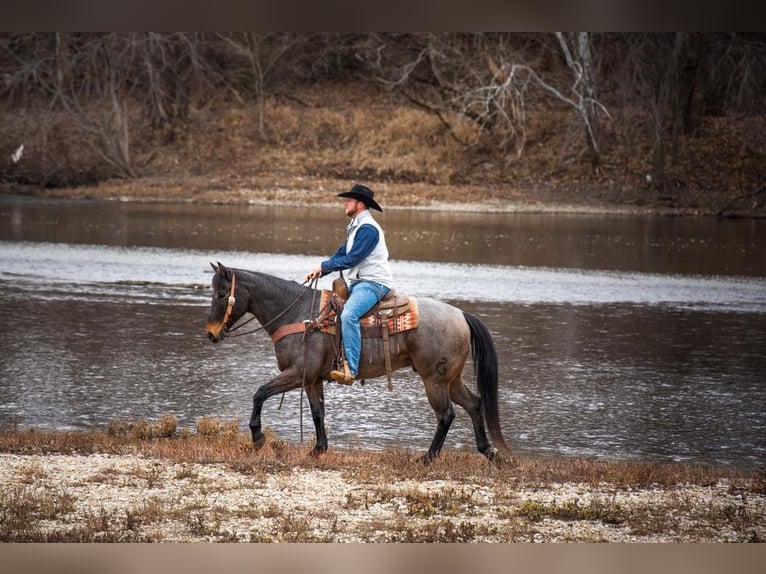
(485, 366)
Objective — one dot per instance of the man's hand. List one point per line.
(316, 272)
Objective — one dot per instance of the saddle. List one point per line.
(398, 312)
(392, 315)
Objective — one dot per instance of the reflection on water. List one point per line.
(647, 244)
(600, 363)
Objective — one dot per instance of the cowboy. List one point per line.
(365, 256)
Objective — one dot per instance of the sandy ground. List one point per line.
(158, 500)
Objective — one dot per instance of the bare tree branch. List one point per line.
(483, 78)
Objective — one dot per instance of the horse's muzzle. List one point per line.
(215, 332)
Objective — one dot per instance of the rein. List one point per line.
(232, 300)
(313, 283)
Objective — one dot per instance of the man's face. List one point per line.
(353, 206)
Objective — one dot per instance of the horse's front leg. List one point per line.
(315, 394)
(287, 380)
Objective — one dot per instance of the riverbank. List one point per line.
(212, 487)
(321, 192)
(329, 135)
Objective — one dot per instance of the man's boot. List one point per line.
(343, 375)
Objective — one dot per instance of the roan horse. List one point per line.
(437, 350)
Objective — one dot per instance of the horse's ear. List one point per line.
(223, 271)
(214, 267)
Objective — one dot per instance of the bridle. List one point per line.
(232, 300)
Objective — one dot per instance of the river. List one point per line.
(620, 336)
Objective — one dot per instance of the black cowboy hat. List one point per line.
(363, 194)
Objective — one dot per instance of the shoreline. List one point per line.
(151, 482)
(321, 194)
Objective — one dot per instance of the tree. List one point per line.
(170, 66)
(583, 89)
(105, 82)
(98, 74)
(677, 78)
(260, 53)
(490, 80)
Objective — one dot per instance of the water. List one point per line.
(619, 337)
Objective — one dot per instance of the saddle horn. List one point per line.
(340, 287)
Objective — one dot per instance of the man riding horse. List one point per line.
(433, 337)
(365, 256)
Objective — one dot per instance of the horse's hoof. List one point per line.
(505, 459)
(317, 451)
(427, 458)
(259, 441)
(491, 454)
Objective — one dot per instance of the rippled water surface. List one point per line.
(619, 337)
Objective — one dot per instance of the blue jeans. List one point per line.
(363, 297)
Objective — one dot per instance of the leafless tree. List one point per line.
(260, 53)
(98, 78)
(455, 77)
(172, 64)
(490, 79)
(679, 77)
(576, 47)
(25, 60)
(102, 68)
(73, 72)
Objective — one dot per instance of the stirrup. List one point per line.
(343, 376)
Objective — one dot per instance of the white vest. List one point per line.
(375, 266)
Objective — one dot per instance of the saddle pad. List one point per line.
(369, 323)
(403, 322)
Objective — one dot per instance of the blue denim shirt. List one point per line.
(365, 241)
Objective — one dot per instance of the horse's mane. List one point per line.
(270, 285)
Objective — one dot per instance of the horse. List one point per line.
(437, 349)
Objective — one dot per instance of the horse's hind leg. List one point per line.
(463, 396)
(438, 398)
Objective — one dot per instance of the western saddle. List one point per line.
(393, 314)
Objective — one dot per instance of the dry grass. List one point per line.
(216, 441)
(392, 496)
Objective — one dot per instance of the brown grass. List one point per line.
(221, 442)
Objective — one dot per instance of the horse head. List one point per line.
(225, 309)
